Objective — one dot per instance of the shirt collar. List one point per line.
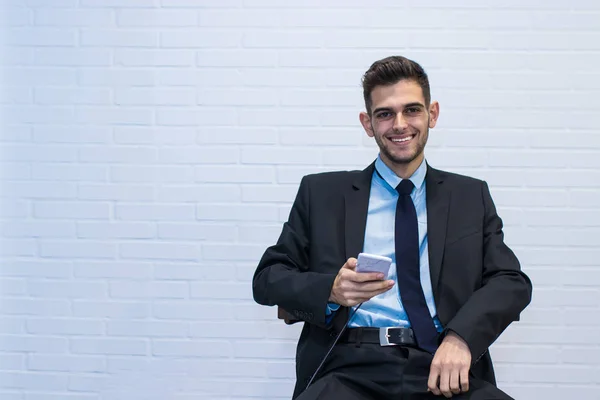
(417, 178)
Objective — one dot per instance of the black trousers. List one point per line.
(373, 372)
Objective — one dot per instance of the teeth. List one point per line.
(402, 140)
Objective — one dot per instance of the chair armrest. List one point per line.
(288, 318)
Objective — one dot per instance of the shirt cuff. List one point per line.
(331, 308)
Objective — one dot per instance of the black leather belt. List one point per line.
(381, 336)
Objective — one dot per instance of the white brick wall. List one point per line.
(151, 150)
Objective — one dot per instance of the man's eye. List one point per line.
(384, 114)
(412, 110)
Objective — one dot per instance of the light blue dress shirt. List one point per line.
(386, 310)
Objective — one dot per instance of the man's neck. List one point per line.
(404, 171)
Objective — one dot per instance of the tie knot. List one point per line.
(405, 187)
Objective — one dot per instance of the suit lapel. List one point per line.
(356, 203)
(438, 202)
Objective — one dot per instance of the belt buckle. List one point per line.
(384, 337)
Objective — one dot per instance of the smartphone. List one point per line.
(373, 263)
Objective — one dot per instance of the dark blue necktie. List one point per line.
(408, 269)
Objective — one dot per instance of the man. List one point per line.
(422, 331)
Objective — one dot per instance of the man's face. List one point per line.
(400, 122)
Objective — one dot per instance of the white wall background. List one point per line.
(152, 148)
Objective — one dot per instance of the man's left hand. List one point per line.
(449, 372)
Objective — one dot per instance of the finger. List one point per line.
(445, 383)
(350, 264)
(374, 287)
(454, 381)
(432, 382)
(365, 276)
(464, 379)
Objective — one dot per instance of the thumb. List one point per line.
(350, 264)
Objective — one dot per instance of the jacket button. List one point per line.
(333, 333)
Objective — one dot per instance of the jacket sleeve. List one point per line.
(504, 293)
(283, 276)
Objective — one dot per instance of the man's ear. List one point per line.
(434, 113)
(365, 121)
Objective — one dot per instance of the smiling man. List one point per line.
(423, 331)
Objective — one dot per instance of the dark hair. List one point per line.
(391, 70)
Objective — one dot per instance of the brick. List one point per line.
(153, 58)
(64, 326)
(108, 346)
(213, 290)
(154, 97)
(40, 153)
(204, 348)
(34, 381)
(234, 174)
(228, 330)
(63, 96)
(264, 155)
(201, 39)
(316, 137)
(236, 58)
(118, 38)
(35, 307)
(149, 290)
(66, 289)
(156, 18)
(12, 362)
(116, 192)
(263, 234)
(197, 231)
(89, 135)
(206, 77)
(117, 3)
(72, 17)
(269, 193)
(40, 76)
(18, 247)
(71, 210)
(72, 363)
(73, 57)
(210, 212)
(40, 37)
(49, 229)
(110, 309)
(107, 230)
(192, 310)
(37, 269)
(213, 271)
(145, 212)
(38, 114)
(204, 116)
(239, 135)
(115, 77)
(150, 135)
(237, 97)
(268, 350)
(77, 249)
(120, 269)
(147, 328)
(112, 115)
(33, 344)
(11, 325)
(204, 193)
(160, 251)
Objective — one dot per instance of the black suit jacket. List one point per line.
(477, 282)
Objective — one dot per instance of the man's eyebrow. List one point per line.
(381, 109)
(414, 104)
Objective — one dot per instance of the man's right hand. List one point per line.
(351, 288)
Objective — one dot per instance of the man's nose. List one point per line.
(400, 122)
